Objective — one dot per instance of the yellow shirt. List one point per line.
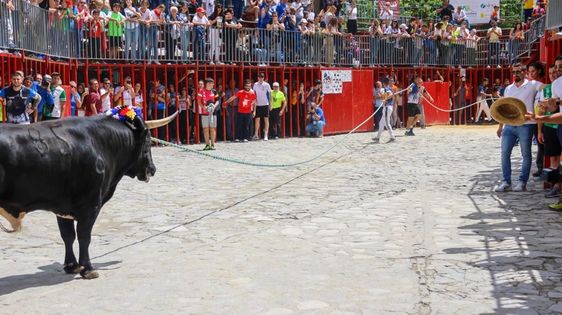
(528, 4)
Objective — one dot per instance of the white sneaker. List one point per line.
(265, 138)
(520, 186)
(503, 187)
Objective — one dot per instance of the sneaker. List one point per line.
(276, 138)
(376, 140)
(254, 138)
(520, 186)
(212, 147)
(236, 140)
(553, 192)
(265, 138)
(207, 147)
(245, 140)
(538, 173)
(503, 187)
(555, 206)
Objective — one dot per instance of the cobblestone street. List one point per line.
(410, 227)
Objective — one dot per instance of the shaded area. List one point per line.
(522, 243)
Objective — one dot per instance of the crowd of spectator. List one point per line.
(258, 111)
(266, 32)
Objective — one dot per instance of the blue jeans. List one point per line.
(316, 129)
(510, 134)
(184, 41)
(131, 43)
(153, 43)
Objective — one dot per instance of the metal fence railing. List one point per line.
(68, 37)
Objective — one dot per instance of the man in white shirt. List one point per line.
(263, 106)
(106, 94)
(526, 91)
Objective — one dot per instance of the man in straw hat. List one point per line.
(525, 91)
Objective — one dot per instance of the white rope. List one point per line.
(457, 109)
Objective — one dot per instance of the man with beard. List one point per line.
(19, 101)
(526, 91)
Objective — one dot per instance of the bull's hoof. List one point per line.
(72, 268)
(89, 274)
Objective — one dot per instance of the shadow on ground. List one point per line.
(48, 275)
(522, 243)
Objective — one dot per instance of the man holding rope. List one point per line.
(416, 90)
(388, 103)
(526, 91)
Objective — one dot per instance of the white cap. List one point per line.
(275, 84)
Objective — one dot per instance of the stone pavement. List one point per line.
(409, 227)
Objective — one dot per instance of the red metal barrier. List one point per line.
(440, 93)
(343, 112)
(346, 110)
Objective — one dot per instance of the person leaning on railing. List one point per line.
(516, 37)
(375, 33)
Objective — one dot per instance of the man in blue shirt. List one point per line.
(316, 121)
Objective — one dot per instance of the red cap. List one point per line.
(200, 10)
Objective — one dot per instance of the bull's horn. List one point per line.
(151, 124)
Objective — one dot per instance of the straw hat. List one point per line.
(509, 111)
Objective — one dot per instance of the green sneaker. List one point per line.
(555, 206)
(207, 147)
(212, 147)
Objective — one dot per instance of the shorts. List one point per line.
(551, 143)
(114, 41)
(413, 109)
(205, 123)
(262, 111)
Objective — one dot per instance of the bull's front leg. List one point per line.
(84, 230)
(68, 234)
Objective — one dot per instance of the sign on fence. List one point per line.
(332, 80)
(477, 11)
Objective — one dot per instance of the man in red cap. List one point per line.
(200, 22)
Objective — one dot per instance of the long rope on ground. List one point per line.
(238, 161)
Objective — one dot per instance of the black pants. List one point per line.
(540, 148)
(352, 26)
(275, 123)
(378, 116)
(183, 126)
(243, 126)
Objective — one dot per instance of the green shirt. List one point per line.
(546, 94)
(115, 29)
(278, 98)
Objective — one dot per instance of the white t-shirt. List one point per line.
(127, 99)
(139, 99)
(59, 96)
(353, 15)
(263, 91)
(197, 19)
(557, 89)
(526, 92)
(105, 102)
(130, 13)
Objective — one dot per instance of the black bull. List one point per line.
(71, 167)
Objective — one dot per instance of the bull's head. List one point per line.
(144, 167)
